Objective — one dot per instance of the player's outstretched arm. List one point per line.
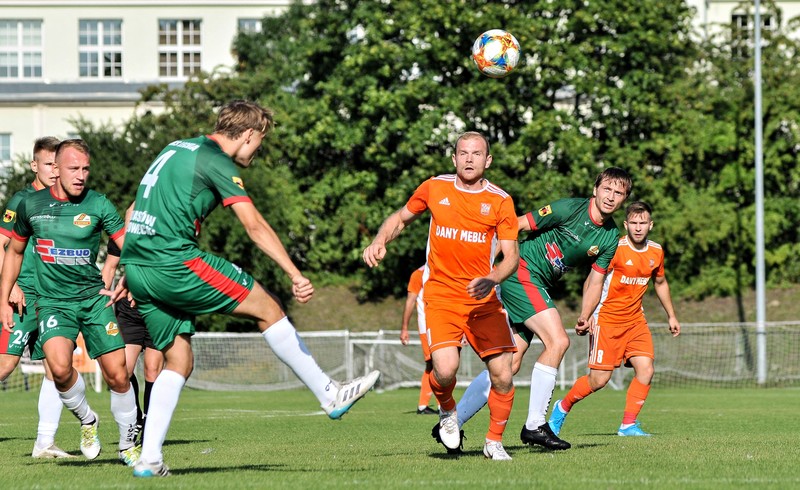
(388, 231)
(592, 289)
(662, 291)
(268, 242)
(408, 309)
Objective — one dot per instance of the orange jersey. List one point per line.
(462, 239)
(415, 281)
(628, 275)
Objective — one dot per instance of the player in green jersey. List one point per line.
(64, 224)
(565, 234)
(12, 344)
(172, 280)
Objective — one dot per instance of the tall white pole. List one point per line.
(761, 334)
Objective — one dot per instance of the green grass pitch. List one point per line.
(701, 439)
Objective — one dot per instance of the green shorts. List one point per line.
(91, 317)
(169, 297)
(522, 299)
(25, 329)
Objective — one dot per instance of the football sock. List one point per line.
(499, 410)
(289, 347)
(637, 394)
(425, 392)
(123, 408)
(166, 391)
(474, 398)
(50, 407)
(444, 394)
(148, 388)
(75, 401)
(135, 386)
(580, 390)
(543, 382)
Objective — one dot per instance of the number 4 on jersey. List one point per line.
(151, 177)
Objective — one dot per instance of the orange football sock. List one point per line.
(443, 394)
(425, 392)
(637, 394)
(580, 390)
(499, 411)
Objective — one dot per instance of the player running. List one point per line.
(470, 218)
(414, 300)
(25, 333)
(64, 224)
(618, 331)
(172, 280)
(565, 234)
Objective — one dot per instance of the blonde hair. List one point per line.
(240, 115)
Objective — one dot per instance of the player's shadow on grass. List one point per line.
(227, 469)
(178, 442)
(464, 454)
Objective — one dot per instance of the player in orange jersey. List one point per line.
(470, 218)
(618, 329)
(414, 300)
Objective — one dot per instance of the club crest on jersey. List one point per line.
(9, 216)
(652, 263)
(238, 181)
(112, 329)
(545, 211)
(82, 220)
(593, 251)
(485, 207)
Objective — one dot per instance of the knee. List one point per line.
(561, 344)
(118, 382)
(7, 365)
(62, 375)
(645, 375)
(598, 382)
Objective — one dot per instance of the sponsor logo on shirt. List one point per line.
(51, 254)
(485, 207)
(238, 182)
(634, 281)
(444, 202)
(82, 220)
(593, 251)
(461, 235)
(629, 262)
(556, 258)
(112, 329)
(141, 223)
(9, 216)
(545, 211)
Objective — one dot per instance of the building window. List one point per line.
(250, 26)
(100, 48)
(179, 49)
(20, 49)
(745, 22)
(5, 153)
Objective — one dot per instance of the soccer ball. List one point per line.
(495, 53)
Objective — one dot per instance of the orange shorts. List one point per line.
(484, 326)
(610, 346)
(426, 349)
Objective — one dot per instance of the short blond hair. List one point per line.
(238, 116)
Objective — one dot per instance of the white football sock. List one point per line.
(474, 398)
(123, 408)
(284, 341)
(543, 382)
(163, 400)
(75, 401)
(50, 407)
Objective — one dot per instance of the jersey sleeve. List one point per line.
(548, 216)
(507, 226)
(606, 256)
(10, 215)
(112, 223)
(415, 282)
(22, 227)
(659, 271)
(418, 202)
(224, 177)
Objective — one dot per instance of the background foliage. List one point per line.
(370, 96)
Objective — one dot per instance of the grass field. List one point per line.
(702, 439)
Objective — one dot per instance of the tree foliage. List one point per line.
(370, 96)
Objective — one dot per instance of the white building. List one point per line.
(713, 13)
(64, 59)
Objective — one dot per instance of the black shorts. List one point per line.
(132, 326)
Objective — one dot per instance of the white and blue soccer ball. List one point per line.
(496, 53)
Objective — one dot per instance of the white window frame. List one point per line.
(6, 152)
(100, 49)
(181, 59)
(27, 57)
